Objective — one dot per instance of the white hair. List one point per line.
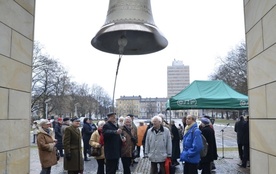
(156, 117)
(121, 118)
(101, 123)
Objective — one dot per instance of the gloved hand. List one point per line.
(68, 156)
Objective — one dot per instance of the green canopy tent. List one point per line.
(213, 94)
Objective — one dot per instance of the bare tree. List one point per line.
(233, 69)
(101, 102)
(49, 81)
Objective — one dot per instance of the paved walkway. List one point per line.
(226, 165)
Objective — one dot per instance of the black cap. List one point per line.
(75, 119)
(131, 115)
(206, 116)
(66, 119)
(110, 114)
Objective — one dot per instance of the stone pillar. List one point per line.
(260, 29)
(16, 47)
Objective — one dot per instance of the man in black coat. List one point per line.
(239, 129)
(112, 143)
(209, 135)
(245, 143)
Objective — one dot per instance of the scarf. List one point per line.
(101, 141)
(46, 130)
(187, 128)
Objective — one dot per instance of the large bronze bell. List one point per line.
(129, 29)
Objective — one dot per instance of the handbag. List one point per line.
(96, 151)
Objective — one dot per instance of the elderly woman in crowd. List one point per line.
(128, 144)
(97, 141)
(46, 147)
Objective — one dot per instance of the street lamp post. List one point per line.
(46, 109)
(76, 109)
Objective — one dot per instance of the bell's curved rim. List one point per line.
(135, 32)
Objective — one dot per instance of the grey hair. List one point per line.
(101, 123)
(156, 117)
(127, 118)
(193, 117)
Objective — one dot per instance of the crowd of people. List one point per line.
(120, 139)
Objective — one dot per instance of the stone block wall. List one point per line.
(260, 29)
(16, 51)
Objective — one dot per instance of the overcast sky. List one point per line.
(198, 32)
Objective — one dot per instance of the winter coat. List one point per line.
(158, 146)
(192, 145)
(135, 128)
(209, 135)
(112, 141)
(145, 135)
(46, 148)
(141, 130)
(87, 131)
(175, 142)
(94, 142)
(58, 136)
(72, 144)
(63, 127)
(245, 140)
(239, 129)
(35, 129)
(129, 145)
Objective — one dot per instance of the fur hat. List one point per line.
(44, 121)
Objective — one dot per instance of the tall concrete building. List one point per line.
(178, 77)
